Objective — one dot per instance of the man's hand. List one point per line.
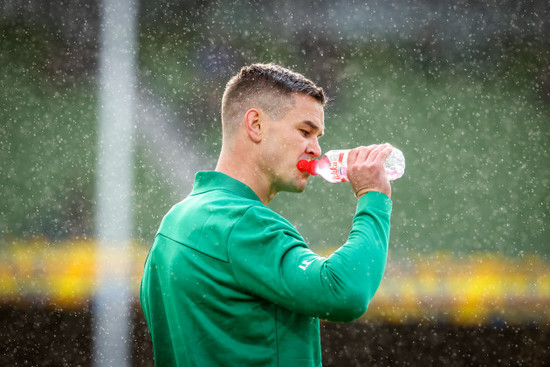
(366, 169)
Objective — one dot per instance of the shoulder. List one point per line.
(263, 218)
(261, 227)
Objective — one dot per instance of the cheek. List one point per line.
(285, 144)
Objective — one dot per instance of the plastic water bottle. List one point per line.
(333, 165)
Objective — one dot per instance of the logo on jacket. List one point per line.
(305, 264)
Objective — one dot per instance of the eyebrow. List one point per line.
(313, 125)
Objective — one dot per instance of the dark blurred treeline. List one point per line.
(450, 30)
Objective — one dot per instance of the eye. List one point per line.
(305, 132)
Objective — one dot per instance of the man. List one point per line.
(229, 282)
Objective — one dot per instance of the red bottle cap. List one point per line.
(307, 166)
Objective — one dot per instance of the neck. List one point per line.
(241, 164)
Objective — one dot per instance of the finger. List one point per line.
(383, 153)
(375, 152)
(357, 155)
(362, 154)
(352, 156)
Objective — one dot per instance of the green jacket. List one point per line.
(229, 282)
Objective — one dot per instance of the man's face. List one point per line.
(290, 139)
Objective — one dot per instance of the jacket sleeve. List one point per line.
(271, 260)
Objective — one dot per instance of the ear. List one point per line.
(253, 125)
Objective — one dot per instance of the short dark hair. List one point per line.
(270, 86)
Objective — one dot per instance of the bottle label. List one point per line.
(338, 167)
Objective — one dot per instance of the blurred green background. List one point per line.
(462, 89)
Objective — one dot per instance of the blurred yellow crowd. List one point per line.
(479, 289)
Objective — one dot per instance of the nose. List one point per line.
(314, 148)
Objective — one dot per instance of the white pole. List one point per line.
(117, 84)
